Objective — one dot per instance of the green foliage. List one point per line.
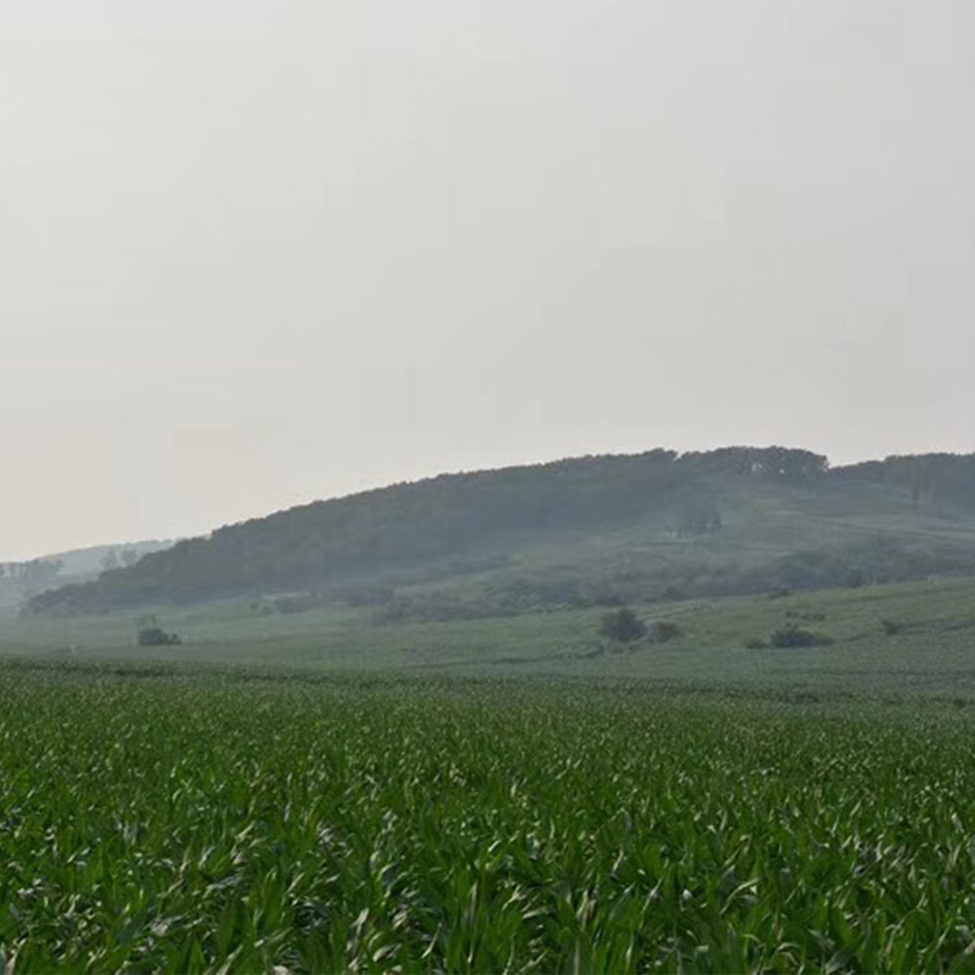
(575, 533)
(156, 636)
(622, 625)
(793, 635)
(932, 481)
(159, 822)
(937, 620)
(449, 524)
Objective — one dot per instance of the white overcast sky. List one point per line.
(254, 254)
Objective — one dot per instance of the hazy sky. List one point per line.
(254, 254)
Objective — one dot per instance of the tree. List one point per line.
(792, 635)
(700, 518)
(151, 634)
(623, 625)
(130, 556)
(156, 636)
(40, 572)
(109, 560)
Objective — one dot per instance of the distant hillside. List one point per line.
(95, 559)
(656, 525)
(21, 581)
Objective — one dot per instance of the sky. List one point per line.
(253, 254)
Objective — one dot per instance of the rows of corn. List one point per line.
(212, 823)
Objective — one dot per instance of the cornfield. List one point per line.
(207, 822)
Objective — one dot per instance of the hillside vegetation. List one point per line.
(21, 581)
(574, 533)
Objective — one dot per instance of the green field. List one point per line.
(931, 653)
(314, 792)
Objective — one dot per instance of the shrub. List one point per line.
(891, 627)
(754, 643)
(624, 626)
(156, 636)
(795, 636)
(660, 631)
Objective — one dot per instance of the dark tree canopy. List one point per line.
(623, 625)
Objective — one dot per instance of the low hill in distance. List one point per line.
(21, 581)
(573, 533)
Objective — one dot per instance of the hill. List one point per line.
(587, 531)
(21, 581)
(90, 562)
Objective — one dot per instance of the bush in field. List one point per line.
(795, 636)
(662, 631)
(623, 625)
(156, 636)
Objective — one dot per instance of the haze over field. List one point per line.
(255, 254)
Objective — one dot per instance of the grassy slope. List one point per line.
(934, 653)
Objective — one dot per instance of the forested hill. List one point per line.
(651, 525)
(21, 581)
